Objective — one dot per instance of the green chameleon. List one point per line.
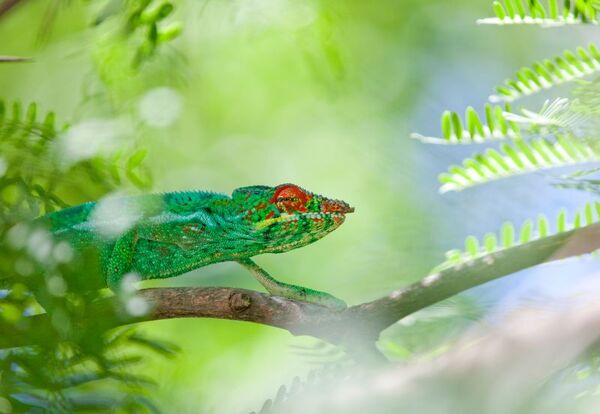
(165, 235)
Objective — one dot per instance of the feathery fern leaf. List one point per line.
(509, 236)
(495, 127)
(536, 13)
(553, 117)
(555, 113)
(546, 74)
(520, 158)
(13, 119)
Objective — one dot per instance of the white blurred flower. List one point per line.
(114, 215)
(128, 282)
(63, 252)
(92, 137)
(56, 286)
(137, 306)
(39, 245)
(160, 107)
(17, 235)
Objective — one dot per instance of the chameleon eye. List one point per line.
(290, 198)
(290, 191)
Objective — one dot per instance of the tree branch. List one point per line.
(367, 320)
(232, 304)
(357, 326)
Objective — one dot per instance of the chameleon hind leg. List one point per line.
(277, 288)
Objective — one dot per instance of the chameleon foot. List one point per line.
(314, 296)
(304, 294)
(277, 288)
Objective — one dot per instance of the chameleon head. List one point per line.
(289, 216)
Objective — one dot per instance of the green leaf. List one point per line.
(515, 13)
(544, 75)
(136, 158)
(508, 234)
(496, 127)
(520, 158)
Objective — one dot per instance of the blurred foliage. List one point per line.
(144, 25)
(68, 356)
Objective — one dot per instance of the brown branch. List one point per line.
(233, 304)
(357, 326)
(364, 322)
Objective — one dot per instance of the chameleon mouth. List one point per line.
(323, 215)
(285, 218)
(312, 216)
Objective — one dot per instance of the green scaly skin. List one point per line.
(165, 235)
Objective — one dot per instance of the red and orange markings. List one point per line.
(291, 198)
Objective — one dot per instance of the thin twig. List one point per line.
(7, 5)
(14, 59)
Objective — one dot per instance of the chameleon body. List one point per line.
(165, 235)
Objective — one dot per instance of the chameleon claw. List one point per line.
(332, 302)
(321, 298)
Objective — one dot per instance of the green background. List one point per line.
(323, 94)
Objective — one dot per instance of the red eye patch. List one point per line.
(291, 198)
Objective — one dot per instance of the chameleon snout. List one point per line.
(336, 206)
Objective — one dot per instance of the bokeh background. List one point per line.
(323, 94)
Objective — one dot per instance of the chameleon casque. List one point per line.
(173, 233)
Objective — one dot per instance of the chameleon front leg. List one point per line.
(120, 259)
(277, 288)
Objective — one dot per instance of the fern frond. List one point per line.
(510, 236)
(30, 150)
(520, 158)
(548, 73)
(547, 14)
(501, 124)
(472, 129)
(13, 119)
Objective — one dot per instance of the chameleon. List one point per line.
(164, 235)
